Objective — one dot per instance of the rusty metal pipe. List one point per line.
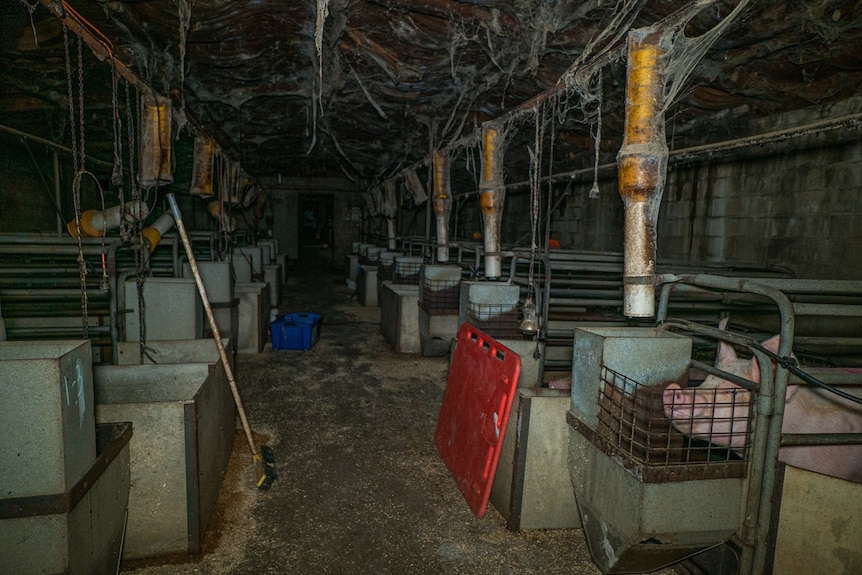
(491, 196)
(642, 163)
(442, 203)
(389, 212)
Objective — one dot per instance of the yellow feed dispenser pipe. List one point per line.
(491, 195)
(155, 137)
(226, 222)
(442, 203)
(96, 223)
(642, 164)
(154, 232)
(203, 163)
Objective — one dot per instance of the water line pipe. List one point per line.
(442, 203)
(491, 196)
(642, 168)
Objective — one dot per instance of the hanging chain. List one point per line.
(83, 152)
(133, 185)
(77, 165)
(138, 242)
(594, 190)
(535, 192)
(117, 171)
(71, 98)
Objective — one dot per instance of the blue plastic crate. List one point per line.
(295, 331)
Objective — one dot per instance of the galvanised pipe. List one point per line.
(57, 192)
(442, 204)
(491, 196)
(54, 246)
(821, 438)
(642, 163)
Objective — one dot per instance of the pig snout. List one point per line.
(673, 400)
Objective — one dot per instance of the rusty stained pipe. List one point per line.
(155, 147)
(642, 161)
(491, 196)
(203, 159)
(389, 212)
(442, 203)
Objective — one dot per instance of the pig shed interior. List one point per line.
(357, 220)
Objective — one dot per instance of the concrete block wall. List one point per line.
(577, 221)
(800, 208)
(796, 204)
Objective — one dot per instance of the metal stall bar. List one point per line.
(770, 405)
(51, 250)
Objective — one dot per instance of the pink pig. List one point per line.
(718, 411)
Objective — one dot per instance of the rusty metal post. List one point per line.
(642, 162)
(389, 212)
(491, 196)
(442, 203)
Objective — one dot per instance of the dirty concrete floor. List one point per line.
(361, 488)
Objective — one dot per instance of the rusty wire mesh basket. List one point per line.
(497, 320)
(440, 297)
(696, 434)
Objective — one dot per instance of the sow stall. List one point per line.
(650, 496)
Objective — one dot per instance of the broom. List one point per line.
(264, 458)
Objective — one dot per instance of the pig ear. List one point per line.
(725, 350)
(726, 353)
(770, 344)
(753, 371)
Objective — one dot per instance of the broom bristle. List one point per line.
(268, 472)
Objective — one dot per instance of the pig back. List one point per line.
(812, 410)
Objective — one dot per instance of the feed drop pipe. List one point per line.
(770, 410)
(96, 223)
(642, 162)
(154, 232)
(155, 153)
(442, 204)
(389, 212)
(202, 169)
(226, 223)
(491, 196)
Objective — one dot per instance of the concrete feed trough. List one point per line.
(184, 423)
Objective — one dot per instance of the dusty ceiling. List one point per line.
(366, 88)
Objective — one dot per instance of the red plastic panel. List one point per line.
(483, 379)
